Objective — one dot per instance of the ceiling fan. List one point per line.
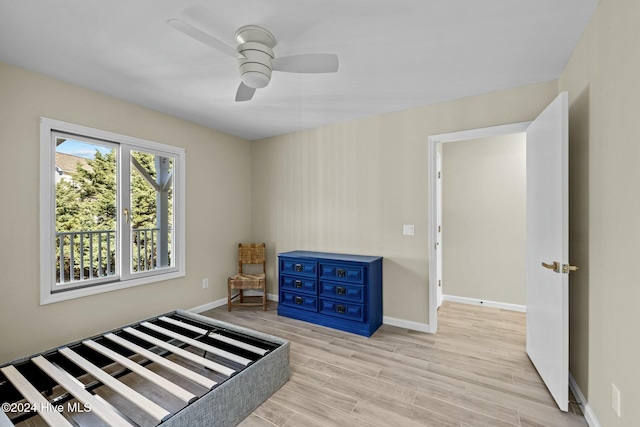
(256, 58)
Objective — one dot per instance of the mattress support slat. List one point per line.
(240, 344)
(168, 364)
(215, 336)
(182, 353)
(33, 396)
(83, 396)
(184, 325)
(202, 346)
(66, 396)
(162, 382)
(153, 409)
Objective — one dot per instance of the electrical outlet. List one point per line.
(205, 283)
(615, 399)
(408, 230)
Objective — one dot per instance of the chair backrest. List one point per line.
(252, 253)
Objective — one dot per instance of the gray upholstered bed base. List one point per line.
(4, 420)
(236, 398)
(231, 400)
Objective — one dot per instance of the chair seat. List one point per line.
(247, 281)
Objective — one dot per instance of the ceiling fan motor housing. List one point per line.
(255, 45)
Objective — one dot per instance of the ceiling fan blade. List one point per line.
(309, 63)
(203, 37)
(244, 93)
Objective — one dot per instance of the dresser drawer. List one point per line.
(342, 291)
(342, 309)
(298, 267)
(347, 273)
(301, 301)
(298, 284)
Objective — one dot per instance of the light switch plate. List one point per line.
(408, 230)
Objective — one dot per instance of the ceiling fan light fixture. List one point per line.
(255, 79)
(255, 65)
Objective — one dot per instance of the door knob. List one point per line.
(566, 268)
(555, 266)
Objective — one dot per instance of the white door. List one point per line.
(547, 289)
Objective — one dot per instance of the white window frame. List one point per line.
(48, 209)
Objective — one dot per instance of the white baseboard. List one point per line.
(223, 301)
(589, 415)
(492, 304)
(401, 323)
(209, 306)
(407, 324)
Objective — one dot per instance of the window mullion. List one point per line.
(124, 216)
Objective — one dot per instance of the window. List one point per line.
(111, 211)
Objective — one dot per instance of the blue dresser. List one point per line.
(335, 290)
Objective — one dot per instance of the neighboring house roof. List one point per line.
(68, 163)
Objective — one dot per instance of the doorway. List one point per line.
(436, 151)
(483, 221)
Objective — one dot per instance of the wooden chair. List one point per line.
(249, 253)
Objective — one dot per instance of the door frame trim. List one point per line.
(434, 206)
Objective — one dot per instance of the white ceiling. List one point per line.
(394, 54)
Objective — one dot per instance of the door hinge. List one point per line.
(439, 229)
(439, 174)
(439, 283)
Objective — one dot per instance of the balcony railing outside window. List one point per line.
(87, 255)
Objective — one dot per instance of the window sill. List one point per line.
(47, 297)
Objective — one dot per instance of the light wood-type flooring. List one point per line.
(473, 372)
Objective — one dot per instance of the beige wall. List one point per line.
(213, 229)
(604, 87)
(483, 218)
(350, 187)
